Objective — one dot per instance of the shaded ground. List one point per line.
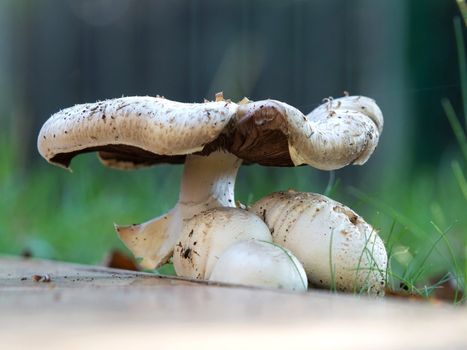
(89, 307)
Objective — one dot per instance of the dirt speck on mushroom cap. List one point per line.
(206, 235)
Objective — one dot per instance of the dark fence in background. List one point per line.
(56, 53)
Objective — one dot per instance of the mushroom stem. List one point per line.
(207, 182)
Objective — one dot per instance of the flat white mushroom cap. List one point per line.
(261, 264)
(208, 234)
(134, 130)
(131, 132)
(335, 245)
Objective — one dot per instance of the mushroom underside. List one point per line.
(269, 149)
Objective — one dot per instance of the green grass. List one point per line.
(69, 216)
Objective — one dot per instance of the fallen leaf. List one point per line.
(119, 260)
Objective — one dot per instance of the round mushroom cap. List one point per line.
(206, 235)
(132, 132)
(337, 248)
(260, 264)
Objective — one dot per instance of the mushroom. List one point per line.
(260, 264)
(133, 132)
(212, 139)
(208, 234)
(335, 245)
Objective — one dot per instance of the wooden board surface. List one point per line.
(88, 307)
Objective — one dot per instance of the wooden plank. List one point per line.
(93, 307)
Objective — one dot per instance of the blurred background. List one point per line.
(404, 54)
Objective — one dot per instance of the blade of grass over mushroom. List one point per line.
(332, 266)
(359, 268)
(390, 246)
(304, 283)
(369, 255)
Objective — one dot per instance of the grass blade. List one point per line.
(391, 212)
(455, 125)
(456, 169)
(462, 63)
(457, 270)
(331, 182)
(463, 9)
(332, 185)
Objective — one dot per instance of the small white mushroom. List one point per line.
(261, 264)
(208, 234)
(337, 248)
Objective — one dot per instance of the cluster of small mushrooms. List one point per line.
(284, 240)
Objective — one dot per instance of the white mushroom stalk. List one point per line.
(207, 182)
(337, 248)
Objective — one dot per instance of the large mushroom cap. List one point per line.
(133, 131)
(130, 132)
(337, 133)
